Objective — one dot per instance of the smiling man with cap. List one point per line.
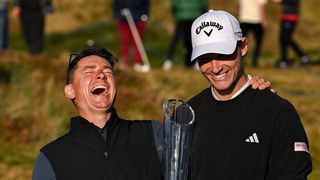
(240, 133)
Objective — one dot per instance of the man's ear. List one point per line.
(244, 46)
(68, 91)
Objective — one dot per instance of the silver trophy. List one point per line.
(178, 126)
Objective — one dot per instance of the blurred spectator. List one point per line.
(184, 13)
(3, 25)
(252, 19)
(139, 10)
(289, 19)
(32, 17)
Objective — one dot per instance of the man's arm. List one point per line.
(158, 133)
(42, 169)
(289, 152)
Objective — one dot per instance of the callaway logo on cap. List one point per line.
(215, 32)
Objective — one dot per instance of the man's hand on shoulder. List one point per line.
(258, 82)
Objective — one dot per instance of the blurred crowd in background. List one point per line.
(32, 21)
(251, 13)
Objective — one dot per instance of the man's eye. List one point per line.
(108, 72)
(88, 72)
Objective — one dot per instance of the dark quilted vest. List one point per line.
(129, 152)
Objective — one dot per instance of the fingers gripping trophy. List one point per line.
(178, 125)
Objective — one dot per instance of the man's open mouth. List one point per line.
(97, 90)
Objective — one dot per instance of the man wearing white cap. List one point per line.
(240, 133)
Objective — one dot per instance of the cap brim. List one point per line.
(226, 48)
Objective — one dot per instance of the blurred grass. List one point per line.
(34, 110)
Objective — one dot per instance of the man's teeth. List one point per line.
(219, 77)
(99, 87)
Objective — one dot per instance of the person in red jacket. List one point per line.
(139, 10)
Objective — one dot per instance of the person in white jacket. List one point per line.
(252, 17)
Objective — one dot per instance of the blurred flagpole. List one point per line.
(126, 12)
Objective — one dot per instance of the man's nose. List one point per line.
(100, 75)
(215, 66)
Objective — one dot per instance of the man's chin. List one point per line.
(101, 105)
(222, 86)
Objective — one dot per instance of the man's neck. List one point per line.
(98, 119)
(241, 85)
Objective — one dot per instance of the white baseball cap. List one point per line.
(215, 32)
